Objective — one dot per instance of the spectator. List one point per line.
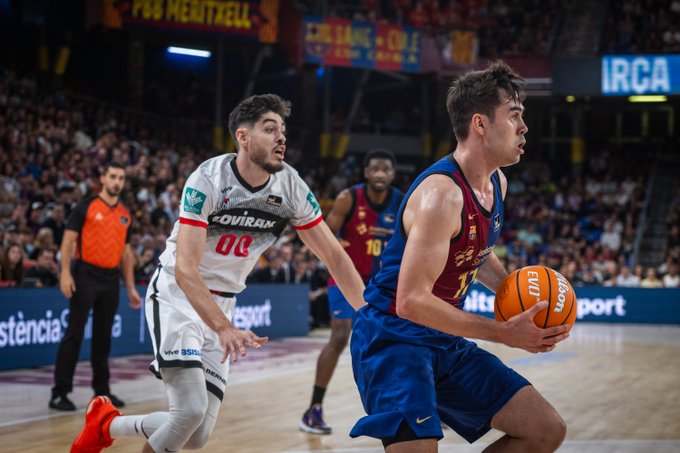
(12, 266)
(273, 273)
(626, 279)
(651, 280)
(44, 241)
(587, 278)
(35, 216)
(55, 222)
(11, 235)
(44, 273)
(529, 236)
(146, 265)
(159, 213)
(287, 265)
(672, 279)
(611, 238)
(25, 239)
(302, 274)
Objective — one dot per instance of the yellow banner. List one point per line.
(257, 19)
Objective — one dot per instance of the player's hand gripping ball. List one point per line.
(531, 284)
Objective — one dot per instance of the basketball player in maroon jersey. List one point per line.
(363, 218)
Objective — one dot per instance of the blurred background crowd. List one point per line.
(55, 136)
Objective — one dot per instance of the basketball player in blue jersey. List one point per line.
(412, 361)
(363, 217)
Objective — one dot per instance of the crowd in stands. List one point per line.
(51, 150)
(648, 26)
(583, 226)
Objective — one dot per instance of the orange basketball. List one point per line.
(531, 284)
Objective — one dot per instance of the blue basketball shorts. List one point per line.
(408, 372)
(338, 307)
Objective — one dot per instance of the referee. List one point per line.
(99, 228)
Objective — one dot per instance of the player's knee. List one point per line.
(550, 435)
(198, 439)
(190, 415)
(340, 336)
(339, 342)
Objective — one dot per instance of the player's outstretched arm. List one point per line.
(322, 242)
(190, 247)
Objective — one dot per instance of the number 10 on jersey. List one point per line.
(374, 247)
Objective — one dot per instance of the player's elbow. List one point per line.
(182, 273)
(406, 305)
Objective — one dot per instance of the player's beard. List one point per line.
(112, 191)
(378, 189)
(261, 158)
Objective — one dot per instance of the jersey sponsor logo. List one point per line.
(99, 216)
(473, 231)
(483, 255)
(463, 255)
(312, 201)
(247, 220)
(190, 352)
(388, 218)
(421, 420)
(274, 200)
(171, 351)
(193, 201)
(124, 220)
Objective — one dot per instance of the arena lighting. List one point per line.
(191, 52)
(570, 98)
(648, 98)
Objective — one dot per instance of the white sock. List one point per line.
(137, 425)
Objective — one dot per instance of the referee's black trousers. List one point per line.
(99, 290)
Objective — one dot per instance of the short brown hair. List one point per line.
(481, 92)
(249, 110)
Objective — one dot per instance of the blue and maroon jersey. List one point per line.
(368, 228)
(470, 248)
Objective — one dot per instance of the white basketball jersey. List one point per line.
(241, 221)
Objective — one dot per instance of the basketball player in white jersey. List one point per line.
(233, 208)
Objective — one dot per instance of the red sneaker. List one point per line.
(95, 435)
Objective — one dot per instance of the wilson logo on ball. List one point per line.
(530, 285)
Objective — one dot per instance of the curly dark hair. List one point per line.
(249, 110)
(380, 153)
(481, 92)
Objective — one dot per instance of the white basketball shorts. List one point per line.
(179, 336)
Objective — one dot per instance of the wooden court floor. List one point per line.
(617, 386)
